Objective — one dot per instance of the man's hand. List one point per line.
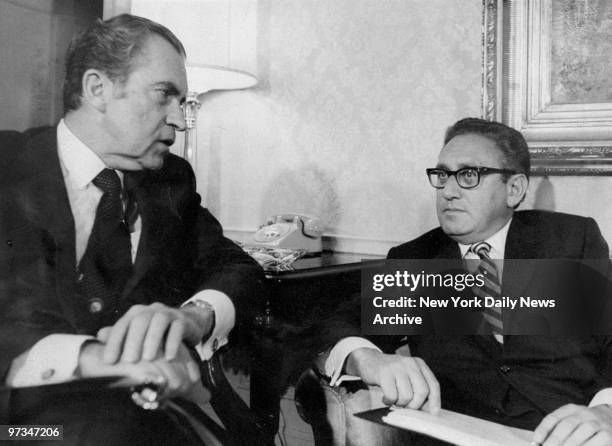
(145, 332)
(92, 365)
(180, 373)
(573, 425)
(405, 381)
(174, 377)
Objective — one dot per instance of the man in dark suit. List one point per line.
(557, 384)
(109, 265)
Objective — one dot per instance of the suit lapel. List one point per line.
(448, 248)
(42, 193)
(42, 190)
(521, 244)
(152, 221)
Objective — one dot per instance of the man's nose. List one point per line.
(451, 189)
(175, 116)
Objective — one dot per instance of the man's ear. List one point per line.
(516, 189)
(97, 89)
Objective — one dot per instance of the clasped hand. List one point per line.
(146, 331)
(148, 345)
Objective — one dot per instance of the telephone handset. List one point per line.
(292, 231)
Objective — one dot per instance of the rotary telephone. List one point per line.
(291, 231)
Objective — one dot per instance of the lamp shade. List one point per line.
(204, 78)
(219, 36)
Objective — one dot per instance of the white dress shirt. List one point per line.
(54, 358)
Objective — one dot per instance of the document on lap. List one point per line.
(452, 427)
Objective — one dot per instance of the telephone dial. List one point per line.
(291, 231)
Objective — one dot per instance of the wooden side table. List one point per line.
(316, 286)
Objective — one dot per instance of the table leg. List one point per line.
(266, 383)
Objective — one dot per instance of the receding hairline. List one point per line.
(142, 56)
(480, 135)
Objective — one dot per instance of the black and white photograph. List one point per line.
(306, 222)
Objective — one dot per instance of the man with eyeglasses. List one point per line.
(557, 385)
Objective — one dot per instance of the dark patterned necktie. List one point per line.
(491, 287)
(107, 262)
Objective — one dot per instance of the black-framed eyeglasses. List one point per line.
(467, 177)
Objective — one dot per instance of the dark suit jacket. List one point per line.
(181, 248)
(529, 376)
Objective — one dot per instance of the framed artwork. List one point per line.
(548, 73)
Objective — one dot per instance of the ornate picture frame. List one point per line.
(545, 70)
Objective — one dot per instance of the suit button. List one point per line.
(95, 305)
(498, 412)
(504, 368)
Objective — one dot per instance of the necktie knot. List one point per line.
(108, 181)
(481, 249)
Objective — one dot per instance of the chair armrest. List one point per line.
(233, 412)
(330, 411)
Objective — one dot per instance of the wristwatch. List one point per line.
(199, 303)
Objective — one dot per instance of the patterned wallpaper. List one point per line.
(352, 107)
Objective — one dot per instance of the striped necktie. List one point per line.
(491, 287)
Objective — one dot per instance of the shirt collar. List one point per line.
(80, 163)
(497, 242)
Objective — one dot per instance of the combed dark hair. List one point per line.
(111, 47)
(509, 141)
